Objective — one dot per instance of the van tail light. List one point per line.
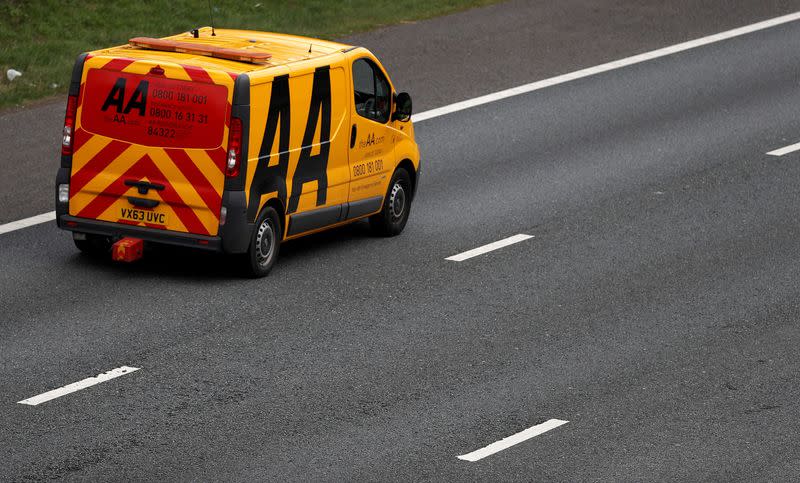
(63, 193)
(68, 134)
(234, 148)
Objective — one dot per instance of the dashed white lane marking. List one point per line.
(488, 248)
(534, 86)
(786, 150)
(512, 440)
(77, 386)
(617, 64)
(34, 220)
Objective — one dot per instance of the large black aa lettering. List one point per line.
(315, 168)
(273, 178)
(116, 97)
(138, 99)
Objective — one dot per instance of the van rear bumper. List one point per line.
(119, 230)
(233, 237)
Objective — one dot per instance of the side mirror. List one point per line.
(402, 110)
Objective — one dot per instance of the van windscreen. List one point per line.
(154, 110)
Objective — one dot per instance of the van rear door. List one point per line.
(149, 146)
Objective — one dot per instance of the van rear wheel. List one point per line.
(265, 243)
(396, 206)
(94, 245)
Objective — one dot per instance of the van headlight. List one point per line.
(63, 193)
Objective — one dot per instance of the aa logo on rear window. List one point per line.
(155, 111)
(137, 101)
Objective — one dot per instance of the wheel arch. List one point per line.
(277, 205)
(412, 173)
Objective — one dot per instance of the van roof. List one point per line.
(283, 49)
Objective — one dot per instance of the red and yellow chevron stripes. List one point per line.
(192, 178)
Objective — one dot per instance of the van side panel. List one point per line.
(150, 144)
(299, 140)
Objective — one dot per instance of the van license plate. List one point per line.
(151, 217)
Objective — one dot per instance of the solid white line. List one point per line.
(77, 386)
(617, 64)
(34, 220)
(786, 150)
(488, 248)
(512, 440)
(535, 86)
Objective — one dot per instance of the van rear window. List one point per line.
(153, 110)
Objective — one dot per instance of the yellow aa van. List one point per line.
(233, 141)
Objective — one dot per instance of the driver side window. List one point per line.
(372, 95)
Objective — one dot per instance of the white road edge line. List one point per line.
(784, 151)
(534, 86)
(489, 248)
(34, 220)
(617, 64)
(512, 440)
(77, 386)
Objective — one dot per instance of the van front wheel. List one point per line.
(265, 243)
(396, 206)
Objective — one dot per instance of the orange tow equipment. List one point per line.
(127, 250)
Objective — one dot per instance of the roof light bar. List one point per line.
(240, 55)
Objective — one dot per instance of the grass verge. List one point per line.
(41, 38)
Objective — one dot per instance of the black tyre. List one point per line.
(95, 245)
(265, 244)
(396, 206)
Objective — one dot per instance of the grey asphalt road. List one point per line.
(655, 308)
(438, 61)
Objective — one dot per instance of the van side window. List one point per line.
(372, 96)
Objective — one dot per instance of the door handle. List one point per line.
(144, 186)
(353, 137)
(142, 202)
